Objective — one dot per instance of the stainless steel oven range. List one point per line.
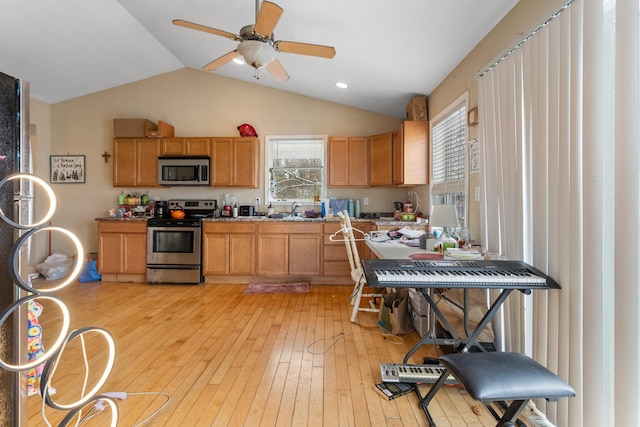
(174, 252)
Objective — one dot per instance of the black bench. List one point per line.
(497, 376)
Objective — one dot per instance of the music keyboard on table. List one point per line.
(414, 374)
(455, 274)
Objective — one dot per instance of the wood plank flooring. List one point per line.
(224, 358)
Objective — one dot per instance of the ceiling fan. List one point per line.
(257, 45)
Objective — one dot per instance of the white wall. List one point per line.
(196, 103)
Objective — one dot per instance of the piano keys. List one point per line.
(413, 374)
(455, 274)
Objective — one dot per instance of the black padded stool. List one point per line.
(497, 376)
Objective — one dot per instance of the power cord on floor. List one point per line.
(107, 399)
(393, 339)
(123, 395)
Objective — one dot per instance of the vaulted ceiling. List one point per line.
(386, 51)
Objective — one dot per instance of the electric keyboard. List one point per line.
(412, 273)
(414, 374)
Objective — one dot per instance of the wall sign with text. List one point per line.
(67, 169)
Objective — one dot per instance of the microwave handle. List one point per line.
(202, 172)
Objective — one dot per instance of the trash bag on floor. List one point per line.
(89, 272)
(56, 266)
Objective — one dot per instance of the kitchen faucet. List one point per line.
(294, 205)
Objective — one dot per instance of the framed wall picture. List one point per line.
(67, 170)
(472, 116)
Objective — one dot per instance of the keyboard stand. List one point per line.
(456, 341)
(504, 276)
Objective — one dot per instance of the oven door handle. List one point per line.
(186, 229)
(173, 267)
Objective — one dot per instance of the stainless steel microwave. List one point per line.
(183, 171)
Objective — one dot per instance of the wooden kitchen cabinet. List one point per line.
(122, 247)
(228, 248)
(273, 254)
(235, 162)
(411, 153)
(185, 147)
(287, 248)
(135, 162)
(381, 160)
(348, 160)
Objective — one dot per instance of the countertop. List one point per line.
(304, 220)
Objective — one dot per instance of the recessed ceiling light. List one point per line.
(342, 85)
(238, 61)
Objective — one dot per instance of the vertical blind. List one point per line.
(448, 142)
(561, 166)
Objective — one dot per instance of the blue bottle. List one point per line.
(323, 211)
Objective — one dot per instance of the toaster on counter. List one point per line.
(245, 211)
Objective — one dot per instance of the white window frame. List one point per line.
(440, 190)
(269, 199)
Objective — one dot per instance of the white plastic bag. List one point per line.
(56, 266)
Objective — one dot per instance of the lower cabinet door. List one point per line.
(135, 253)
(304, 256)
(242, 249)
(215, 254)
(110, 253)
(273, 254)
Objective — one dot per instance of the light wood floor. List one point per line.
(226, 358)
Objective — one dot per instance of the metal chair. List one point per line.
(357, 275)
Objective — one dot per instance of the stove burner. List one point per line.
(194, 209)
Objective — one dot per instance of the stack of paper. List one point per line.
(456, 253)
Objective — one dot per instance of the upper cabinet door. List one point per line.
(359, 161)
(172, 146)
(411, 153)
(235, 162)
(135, 162)
(197, 147)
(124, 162)
(245, 162)
(348, 159)
(381, 159)
(222, 161)
(147, 162)
(338, 157)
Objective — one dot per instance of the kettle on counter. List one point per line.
(177, 212)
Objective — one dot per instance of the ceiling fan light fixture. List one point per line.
(257, 53)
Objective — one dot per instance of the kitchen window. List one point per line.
(449, 159)
(295, 168)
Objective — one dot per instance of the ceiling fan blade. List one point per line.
(306, 49)
(204, 28)
(267, 18)
(277, 71)
(217, 63)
